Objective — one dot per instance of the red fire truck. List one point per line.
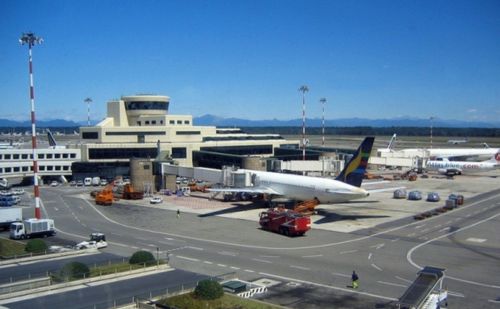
(285, 221)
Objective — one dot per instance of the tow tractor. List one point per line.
(284, 221)
(97, 241)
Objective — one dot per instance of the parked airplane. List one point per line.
(52, 141)
(446, 167)
(453, 154)
(344, 188)
(457, 141)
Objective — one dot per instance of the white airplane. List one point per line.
(52, 141)
(453, 154)
(344, 188)
(446, 167)
(457, 141)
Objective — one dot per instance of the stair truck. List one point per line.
(284, 221)
(426, 292)
(10, 215)
(30, 228)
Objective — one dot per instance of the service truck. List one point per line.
(285, 221)
(32, 228)
(10, 215)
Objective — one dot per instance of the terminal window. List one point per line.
(42, 167)
(41, 156)
(16, 157)
(172, 121)
(186, 121)
(49, 156)
(8, 170)
(57, 155)
(25, 168)
(179, 121)
(72, 155)
(89, 135)
(179, 152)
(24, 156)
(7, 157)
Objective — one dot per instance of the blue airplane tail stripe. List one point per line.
(354, 171)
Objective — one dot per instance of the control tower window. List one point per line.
(186, 121)
(179, 121)
(172, 122)
(146, 105)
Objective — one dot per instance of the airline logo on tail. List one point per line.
(354, 172)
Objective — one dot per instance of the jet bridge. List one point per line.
(426, 291)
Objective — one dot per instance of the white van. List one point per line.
(87, 181)
(96, 181)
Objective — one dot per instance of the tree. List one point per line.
(142, 257)
(208, 290)
(73, 271)
(36, 246)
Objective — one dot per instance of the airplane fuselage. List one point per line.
(460, 167)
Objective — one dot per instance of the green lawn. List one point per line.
(115, 268)
(188, 301)
(9, 248)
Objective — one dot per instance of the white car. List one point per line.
(156, 200)
(92, 244)
(54, 184)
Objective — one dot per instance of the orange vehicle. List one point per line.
(105, 196)
(130, 194)
(285, 221)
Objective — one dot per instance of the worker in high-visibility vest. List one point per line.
(355, 280)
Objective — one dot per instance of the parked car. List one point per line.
(400, 193)
(54, 183)
(415, 196)
(104, 182)
(433, 197)
(91, 245)
(155, 200)
(72, 183)
(79, 183)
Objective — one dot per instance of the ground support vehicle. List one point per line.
(10, 215)
(285, 221)
(105, 196)
(32, 228)
(97, 241)
(130, 194)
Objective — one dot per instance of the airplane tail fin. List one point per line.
(52, 140)
(392, 142)
(355, 170)
(495, 158)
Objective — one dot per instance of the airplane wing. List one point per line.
(385, 189)
(261, 190)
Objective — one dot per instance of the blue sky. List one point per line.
(236, 58)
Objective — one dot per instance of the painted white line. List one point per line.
(376, 267)
(221, 265)
(249, 271)
(411, 234)
(186, 258)
(474, 239)
(262, 261)
(227, 253)
(393, 284)
(194, 248)
(342, 275)
(395, 239)
(370, 256)
(330, 287)
(269, 256)
(350, 251)
(445, 229)
(419, 226)
(410, 252)
(208, 262)
(311, 256)
(299, 267)
(232, 267)
(377, 245)
(456, 294)
(495, 301)
(168, 238)
(152, 245)
(403, 279)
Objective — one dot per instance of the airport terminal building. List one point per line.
(140, 127)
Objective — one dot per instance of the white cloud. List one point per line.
(472, 110)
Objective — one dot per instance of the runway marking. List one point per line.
(311, 256)
(342, 275)
(473, 239)
(410, 252)
(376, 267)
(330, 287)
(445, 229)
(165, 243)
(194, 248)
(350, 251)
(208, 262)
(456, 294)
(232, 267)
(419, 226)
(395, 239)
(227, 253)
(468, 215)
(262, 261)
(403, 279)
(187, 258)
(269, 256)
(370, 256)
(495, 301)
(168, 238)
(377, 246)
(56, 209)
(249, 271)
(300, 267)
(221, 265)
(152, 245)
(393, 284)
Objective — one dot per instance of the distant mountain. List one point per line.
(39, 123)
(211, 120)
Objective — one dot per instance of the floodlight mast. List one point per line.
(304, 89)
(323, 101)
(88, 101)
(31, 40)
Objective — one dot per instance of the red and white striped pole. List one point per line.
(31, 40)
(304, 89)
(323, 101)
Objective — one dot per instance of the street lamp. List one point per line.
(31, 40)
(88, 101)
(304, 89)
(323, 101)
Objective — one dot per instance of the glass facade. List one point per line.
(121, 153)
(146, 105)
(179, 152)
(241, 150)
(90, 135)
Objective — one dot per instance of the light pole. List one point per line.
(432, 118)
(304, 89)
(88, 101)
(323, 101)
(31, 40)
